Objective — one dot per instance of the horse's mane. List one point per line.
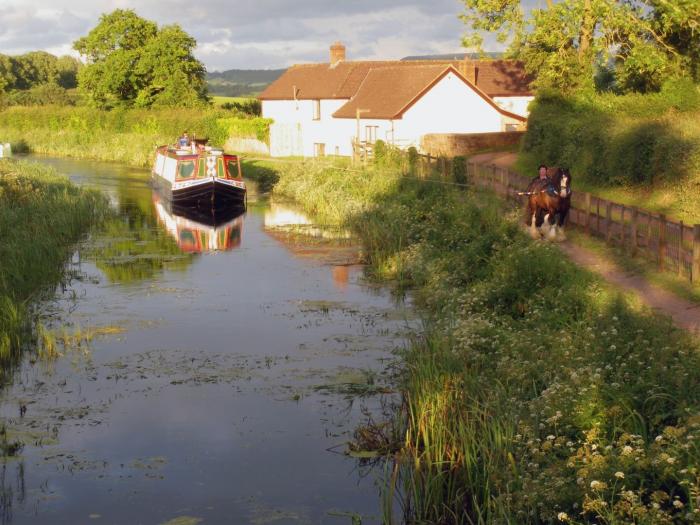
(558, 174)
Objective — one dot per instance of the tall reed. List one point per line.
(42, 216)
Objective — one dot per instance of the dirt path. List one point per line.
(684, 313)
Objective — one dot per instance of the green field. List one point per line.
(218, 101)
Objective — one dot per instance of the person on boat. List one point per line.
(184, 140)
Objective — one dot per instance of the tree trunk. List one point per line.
(587, 30)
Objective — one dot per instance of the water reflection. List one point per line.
(198, 230)
(217, 381)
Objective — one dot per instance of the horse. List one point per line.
(549, 201)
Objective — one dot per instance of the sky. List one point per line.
(251, 34)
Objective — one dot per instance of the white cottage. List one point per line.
(320, 109)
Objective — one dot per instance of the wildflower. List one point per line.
(620, 475)
(678, 504)
(563, 516)
(597, 485)
(659, 438)
(670, 461)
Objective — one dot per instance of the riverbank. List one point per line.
(42, 216)
(537, 393)
(127, 136)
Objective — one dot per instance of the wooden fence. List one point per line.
(674, 246)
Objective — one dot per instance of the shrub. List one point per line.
(625, 140)
(459, 170)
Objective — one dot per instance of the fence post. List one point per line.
(680, 251)
(695, 272)
(608, 222)
(633, 233)
(662, 242)
(587, 206)
(597, 215)
(493, 178)
(622, 229)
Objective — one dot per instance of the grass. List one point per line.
(536, 394)
(42, 216)
(126, 136)
(219, 100)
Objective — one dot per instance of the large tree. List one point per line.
(130, 61)
(565, 43)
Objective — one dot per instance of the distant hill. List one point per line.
(241, 82)
(455, 56)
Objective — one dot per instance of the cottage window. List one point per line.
(317, 110)
(371, 134)
(320, 150)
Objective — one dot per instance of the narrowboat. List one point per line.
(199, 176)
(199, 230)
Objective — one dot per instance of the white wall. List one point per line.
(517, 105)
(450, 106)
(335, 134)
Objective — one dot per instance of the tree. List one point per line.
(34, 68)
(173, 76)
(67, 69)
(130, 61)
(7, 76)
(566, 44)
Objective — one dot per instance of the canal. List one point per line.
(202, 371)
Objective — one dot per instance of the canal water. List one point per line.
(202, 370)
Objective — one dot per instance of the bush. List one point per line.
(44, 95)
(622, 140)
(459, 170)
(252, 107)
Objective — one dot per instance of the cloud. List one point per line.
(252, 33)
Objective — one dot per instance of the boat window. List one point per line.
(185, 169)
(232, 167)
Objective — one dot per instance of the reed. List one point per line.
(536, 393)
(42, 216)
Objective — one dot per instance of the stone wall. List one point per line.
(453, 145)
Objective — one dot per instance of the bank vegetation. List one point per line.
(536, 394)
(42, 217)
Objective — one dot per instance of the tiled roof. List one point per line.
(343, 80)
(386, 93)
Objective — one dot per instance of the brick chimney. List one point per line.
(470, 69)
(337, 53)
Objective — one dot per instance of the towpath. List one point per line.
(684, 313)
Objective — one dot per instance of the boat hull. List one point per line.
(204, 193)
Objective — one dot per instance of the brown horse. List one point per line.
(549, 201)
